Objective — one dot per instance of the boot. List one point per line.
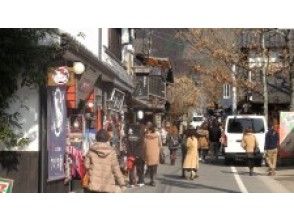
(251, 171)
(193, 175)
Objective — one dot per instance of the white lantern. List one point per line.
(140, 114)
(78, 67)
(90, 104)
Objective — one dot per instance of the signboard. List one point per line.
(60, 76)
(116, 101)
(286, 134)
(6, 185)
(86, 84)
(56, 132)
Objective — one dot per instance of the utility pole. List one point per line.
(234, 90)
(291, 63)
(264, 73)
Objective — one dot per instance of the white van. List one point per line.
(234, 127)
(197, 120)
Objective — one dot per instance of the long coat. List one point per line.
(152, 149)
(249, 142)
(192, 158)
(103, 168)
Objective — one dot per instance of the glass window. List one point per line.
(197, 118)
(238, 125)
(226, 91)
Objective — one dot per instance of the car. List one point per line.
(233, 134)
(197, 120)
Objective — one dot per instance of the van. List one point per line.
(233, 131)
(197, 120)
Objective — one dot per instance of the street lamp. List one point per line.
(140, 115)
(78, 67)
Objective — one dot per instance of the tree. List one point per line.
(24, 57)
(213, 52)
(183, 94)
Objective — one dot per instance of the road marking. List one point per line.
(240, 183)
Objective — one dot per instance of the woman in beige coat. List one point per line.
(191, 162)
(102, 166)
(249, 143)
(151, 151)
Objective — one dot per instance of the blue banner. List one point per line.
(56, 132)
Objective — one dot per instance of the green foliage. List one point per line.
(23, 57)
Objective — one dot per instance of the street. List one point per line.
(213, 178)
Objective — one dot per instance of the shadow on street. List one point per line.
(177, 181)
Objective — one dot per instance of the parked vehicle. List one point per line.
(234, 128)
(197, 120)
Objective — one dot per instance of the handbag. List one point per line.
(256, 151)
(85, 181)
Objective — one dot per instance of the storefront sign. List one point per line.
(86, 84)
(6, 185)
(56, 132)
(116, 101)
(60, 76)
(286, 134)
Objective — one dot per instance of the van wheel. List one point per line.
(228, 160)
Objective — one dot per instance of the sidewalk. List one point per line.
(285, 175)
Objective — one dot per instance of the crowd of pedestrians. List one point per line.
(109, 171)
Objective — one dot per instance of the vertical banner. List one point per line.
(286, 134)
(56, 132)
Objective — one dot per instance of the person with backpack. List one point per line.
(203, 141)
(173, 144)
(250, 145)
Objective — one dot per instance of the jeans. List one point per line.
(152, 171)
(250, 161)
(140, 163)
(214, 148)
(173, 156)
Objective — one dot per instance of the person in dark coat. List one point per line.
(214, 137)
(135, 154)
(271, 150)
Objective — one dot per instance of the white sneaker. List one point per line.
(141, 184)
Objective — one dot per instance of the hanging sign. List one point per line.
(60, 76)
(116, 101)
(56, 132)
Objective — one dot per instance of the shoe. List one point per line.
(131, 186)
(152, 184)
(141, 184)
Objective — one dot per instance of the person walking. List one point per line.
(271, 150)
(249, 144)
(151, 152)
(203, 140)
(214, 137)
(102, 166)
(173, 144)
(191, 162)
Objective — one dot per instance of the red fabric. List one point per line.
(130, 162)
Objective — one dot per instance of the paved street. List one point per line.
(213, 178)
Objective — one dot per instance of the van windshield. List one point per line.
(197, 118)
(237, 125)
